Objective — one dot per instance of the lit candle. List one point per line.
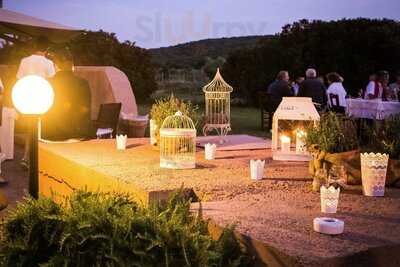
(300, 143)
(285, 144)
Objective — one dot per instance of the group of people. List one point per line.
(334, 95)
(311, 86)
(379, 87)
(69, 117)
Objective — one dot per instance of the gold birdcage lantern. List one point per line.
(218, 106)
(178, 142)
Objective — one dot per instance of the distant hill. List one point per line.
(194, 54)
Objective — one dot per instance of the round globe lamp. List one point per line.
(33, 96)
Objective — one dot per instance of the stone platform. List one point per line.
(97, 165)
(273, 216)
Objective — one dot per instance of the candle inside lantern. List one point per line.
(300, 142)
(285, 144)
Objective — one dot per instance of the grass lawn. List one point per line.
(245, 120)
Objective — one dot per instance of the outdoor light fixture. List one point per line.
(291, 118)
(33, 96)
(218, 106)
(178, 142)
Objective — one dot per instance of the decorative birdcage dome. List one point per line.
(217, 102)
(178, 142)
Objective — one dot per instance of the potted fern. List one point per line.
(164, 107)
(334, 145)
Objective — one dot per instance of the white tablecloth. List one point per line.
(371, 109)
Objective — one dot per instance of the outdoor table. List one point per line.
(371, 109)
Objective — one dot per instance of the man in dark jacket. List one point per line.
(69, 116)
(314, 88)
(279, 88)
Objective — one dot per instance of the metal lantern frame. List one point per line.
(292, 109)
(218, 106)
(178, 142)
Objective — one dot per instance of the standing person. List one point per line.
(336, 93)
(296, 85)
(36, 64)
(2, 154)
(375, 89)
(69, 117)
(394, 89)
(279, 88)
(314, 88)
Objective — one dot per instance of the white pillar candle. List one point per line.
(210, 150)
(300, 142)
(285, 144)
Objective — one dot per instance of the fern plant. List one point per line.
(109, 229)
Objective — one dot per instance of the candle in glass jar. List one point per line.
(300, 142)
(285, 144)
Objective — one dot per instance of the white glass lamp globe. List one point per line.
(32, 95)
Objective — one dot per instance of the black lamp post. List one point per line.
(33, 96)
(33, 157)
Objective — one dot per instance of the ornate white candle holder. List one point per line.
(285, 144)
(121, 141)
(373, 173)
(210, 151)
(153, 129)
(329, 199)
(300, 142)
(257, 169)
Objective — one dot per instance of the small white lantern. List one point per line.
(178, 142)
(257, 169)
(373, 173)
(293, 113)
(210, 151)
(153, 130)
(121, 141)
(329, 199)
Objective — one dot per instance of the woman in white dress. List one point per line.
(336, 93)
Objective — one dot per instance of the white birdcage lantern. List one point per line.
(218, 106)
(291, 118)
(178, 142)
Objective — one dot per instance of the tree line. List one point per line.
(97, 48)
(354, 48)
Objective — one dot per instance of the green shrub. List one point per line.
(108, 229)
(333, 134)
(385, 137)
(164, 107)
